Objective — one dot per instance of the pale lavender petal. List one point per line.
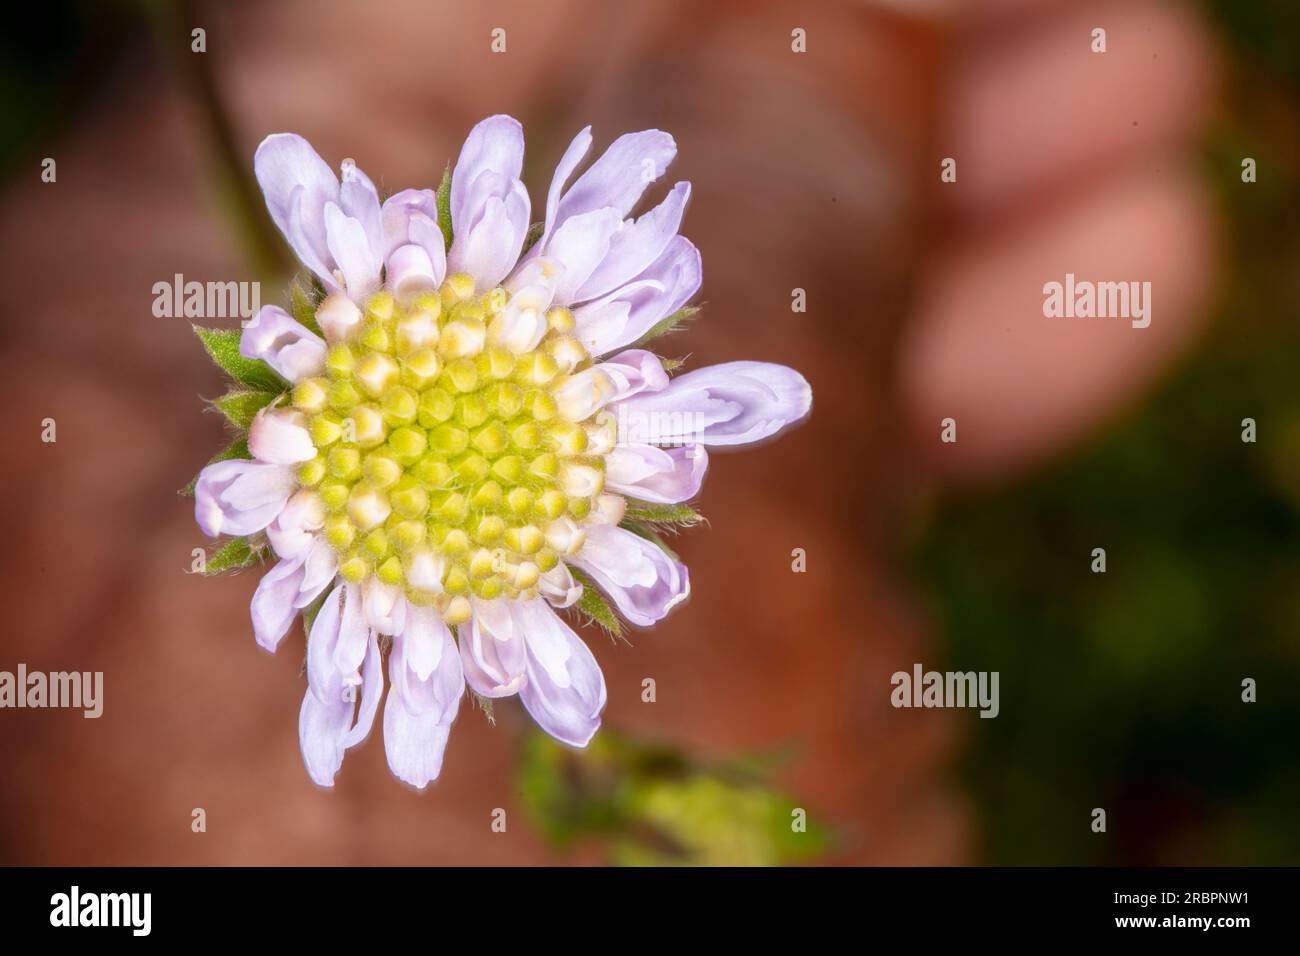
(385, 606)
(489, 248)
(318, 570)
(279, 436)
(495, 145)
(489, 205)
(493, 655)
(627, 313)
(321, 728)
(397, 211)
(579, 244)
(410, 271)
(559, 586)
(293, 531)
(665, 476)
(326, 724)
(323, 641)
(633, 372)
(273, 608)
(308, 238)
(345, 657)
(565, 690)
(349, 246)
(297, 184)
(372, 688)
(619, 177)
(281, 342)
(642, 580)
(411, 216)
(360, 201)
(730, 404)
(240, 497)
(563, 173)
(636, 246)
(438, 692)
(414, 744)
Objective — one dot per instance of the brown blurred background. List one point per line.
(817, 170)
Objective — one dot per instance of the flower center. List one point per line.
(445, 463)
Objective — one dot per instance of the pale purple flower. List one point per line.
(467, 433)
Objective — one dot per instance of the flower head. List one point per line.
(464, 426)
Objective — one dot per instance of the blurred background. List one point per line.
(818, 171)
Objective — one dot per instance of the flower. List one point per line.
(465, 430)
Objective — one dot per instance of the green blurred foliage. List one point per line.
(1123, 690)
(650, 805)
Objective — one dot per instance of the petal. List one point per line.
(318, 570)
(326, 727)
(492, 653)
(414, 744)
(422, 640)
(279, 436)
(323, 640)
(410, 271)
(350, 247)
(337, 315)
(637, 245)
(495, 145)
(360, 201)
(321, 727)
(633, 372)
(563, 172)
(579, 244)
(294, 529)
(559, 587)
(565, 690)
(372, 688)
(342, 659)
(730, 404)
(240, 497)
(273, 608)
(411, 216)
(619, 177)
(385, 606)
(628, 313)
(297, 184)
(438, 692)
(281, 342)
(489, 248)
(638, 576)
(584, 393)
(488, 203)
(666, 476)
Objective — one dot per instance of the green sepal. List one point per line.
(530, 238)
(303, 299)
(664, 326)
(442, 200)
(594, 607)
(223, 347)
(236, 449)
(240, 407)
(235, 554)
(311, 610)
(650, 513)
